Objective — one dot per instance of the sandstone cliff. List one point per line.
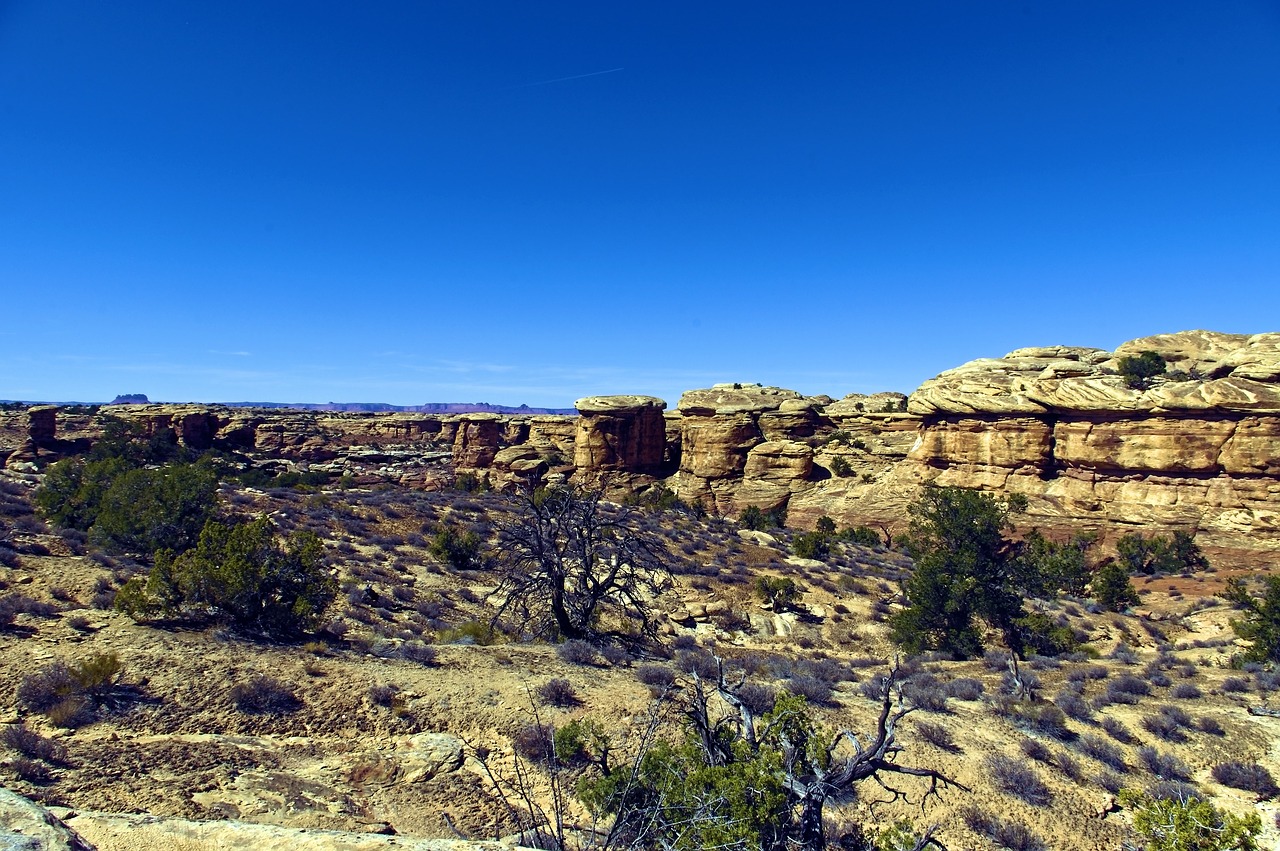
(1197, 449)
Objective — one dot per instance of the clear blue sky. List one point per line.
(534, 201)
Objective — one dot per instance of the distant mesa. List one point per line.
(130, 399)
(427, 408)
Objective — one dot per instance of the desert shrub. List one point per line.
(758, 698)
(698, 661)
(1104, 752)
(33, 772)
(1016, 779)
(1165, 766)
(937, 735)
(575, 651)
(536, 743)
(417, 651)
(31, 744)
(1248, 776)
(1113, 783)
(964, 688)
(1235, 685)
(68, 689)
(1042, 718)
(659, 678)
(13, 605)
(382, 695)
(780, 592)
(1164, 727)
(1210, 725)
(615, 655)
(1185, 691)
(238, 572)
(1087, 672)
(1069, 766)
(263, 695)
(1012, 836)
(1035, 749)
(1117, 730)
(1175, 790)
(1130, 683)
(1189, 824)
(1073, 706)
(558, 692)
(811, 688)
(926, 694)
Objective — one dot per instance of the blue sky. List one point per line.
(531, 202)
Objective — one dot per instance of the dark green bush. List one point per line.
(780, 592)
(1112, 589)
(263, 695)
(863, 535)
(813, 545)
(238, 572)
(1138, 370)
(460, 549)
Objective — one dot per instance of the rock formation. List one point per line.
(1197, 449)
(744, 445)
(620, 433)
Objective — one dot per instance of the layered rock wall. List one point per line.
(1198, 448)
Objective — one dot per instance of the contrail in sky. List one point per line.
(562, 79)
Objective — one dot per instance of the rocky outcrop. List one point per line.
(620, 433)
(113, 832)
(1198, 448)
(477, 440)
(27, 826)
(750, 445)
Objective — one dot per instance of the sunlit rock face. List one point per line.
(625, 433)
(1199, 447)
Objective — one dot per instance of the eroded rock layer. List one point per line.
(1197, 448)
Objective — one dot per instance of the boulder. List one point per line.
(27, 826)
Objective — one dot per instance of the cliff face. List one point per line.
(1199, 448)
(749, 445)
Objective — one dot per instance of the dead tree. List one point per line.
(816, 767)
(570, 563)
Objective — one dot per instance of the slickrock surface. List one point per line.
(27, 826)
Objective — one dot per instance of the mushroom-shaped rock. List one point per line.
(42, 423)
(619, 433)
(477, 440)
